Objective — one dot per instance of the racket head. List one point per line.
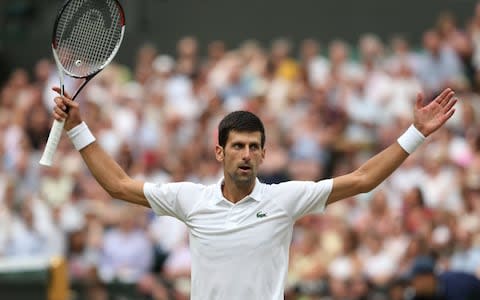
(87, 35)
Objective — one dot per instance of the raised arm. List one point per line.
(427, 119)
(105, 170)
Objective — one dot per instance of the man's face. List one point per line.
(241, 156)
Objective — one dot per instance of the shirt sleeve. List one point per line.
(166, 200)
(299, 198)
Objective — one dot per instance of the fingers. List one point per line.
(59, 91)
(445, 96)
(59, 101)
(419, 101)
(448, 110)
(447, 115)
(59, 114)
(64, 102)
(63, 105)
(449, 105)
(59, 110)
(450, 113)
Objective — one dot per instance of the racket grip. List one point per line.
(52, 143)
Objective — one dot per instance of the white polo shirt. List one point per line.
(239, 251)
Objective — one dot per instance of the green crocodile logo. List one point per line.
(261, 214)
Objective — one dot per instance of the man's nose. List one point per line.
(246, 154)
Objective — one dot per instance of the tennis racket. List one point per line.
(86, 36)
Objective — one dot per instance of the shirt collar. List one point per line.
(256, 194)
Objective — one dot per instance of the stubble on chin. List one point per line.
(243, 180)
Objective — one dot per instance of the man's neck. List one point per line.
(235, 192)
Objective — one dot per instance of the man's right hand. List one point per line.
(71, 116)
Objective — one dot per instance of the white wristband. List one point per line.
(411, 139)
(81, 136)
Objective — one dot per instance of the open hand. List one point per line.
(428, 118)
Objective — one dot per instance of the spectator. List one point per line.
(25, 239)
(448, 285)
(136, 257)
(439, 66)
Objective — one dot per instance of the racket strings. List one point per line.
(87, 36)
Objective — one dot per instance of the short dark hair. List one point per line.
(240, 121)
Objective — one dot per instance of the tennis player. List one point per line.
(240, 229)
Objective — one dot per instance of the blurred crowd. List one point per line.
(327, 107)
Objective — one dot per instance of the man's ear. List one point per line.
(219, 153)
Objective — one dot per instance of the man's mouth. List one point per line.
(244, 168)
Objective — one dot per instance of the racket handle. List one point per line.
(52, 143)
